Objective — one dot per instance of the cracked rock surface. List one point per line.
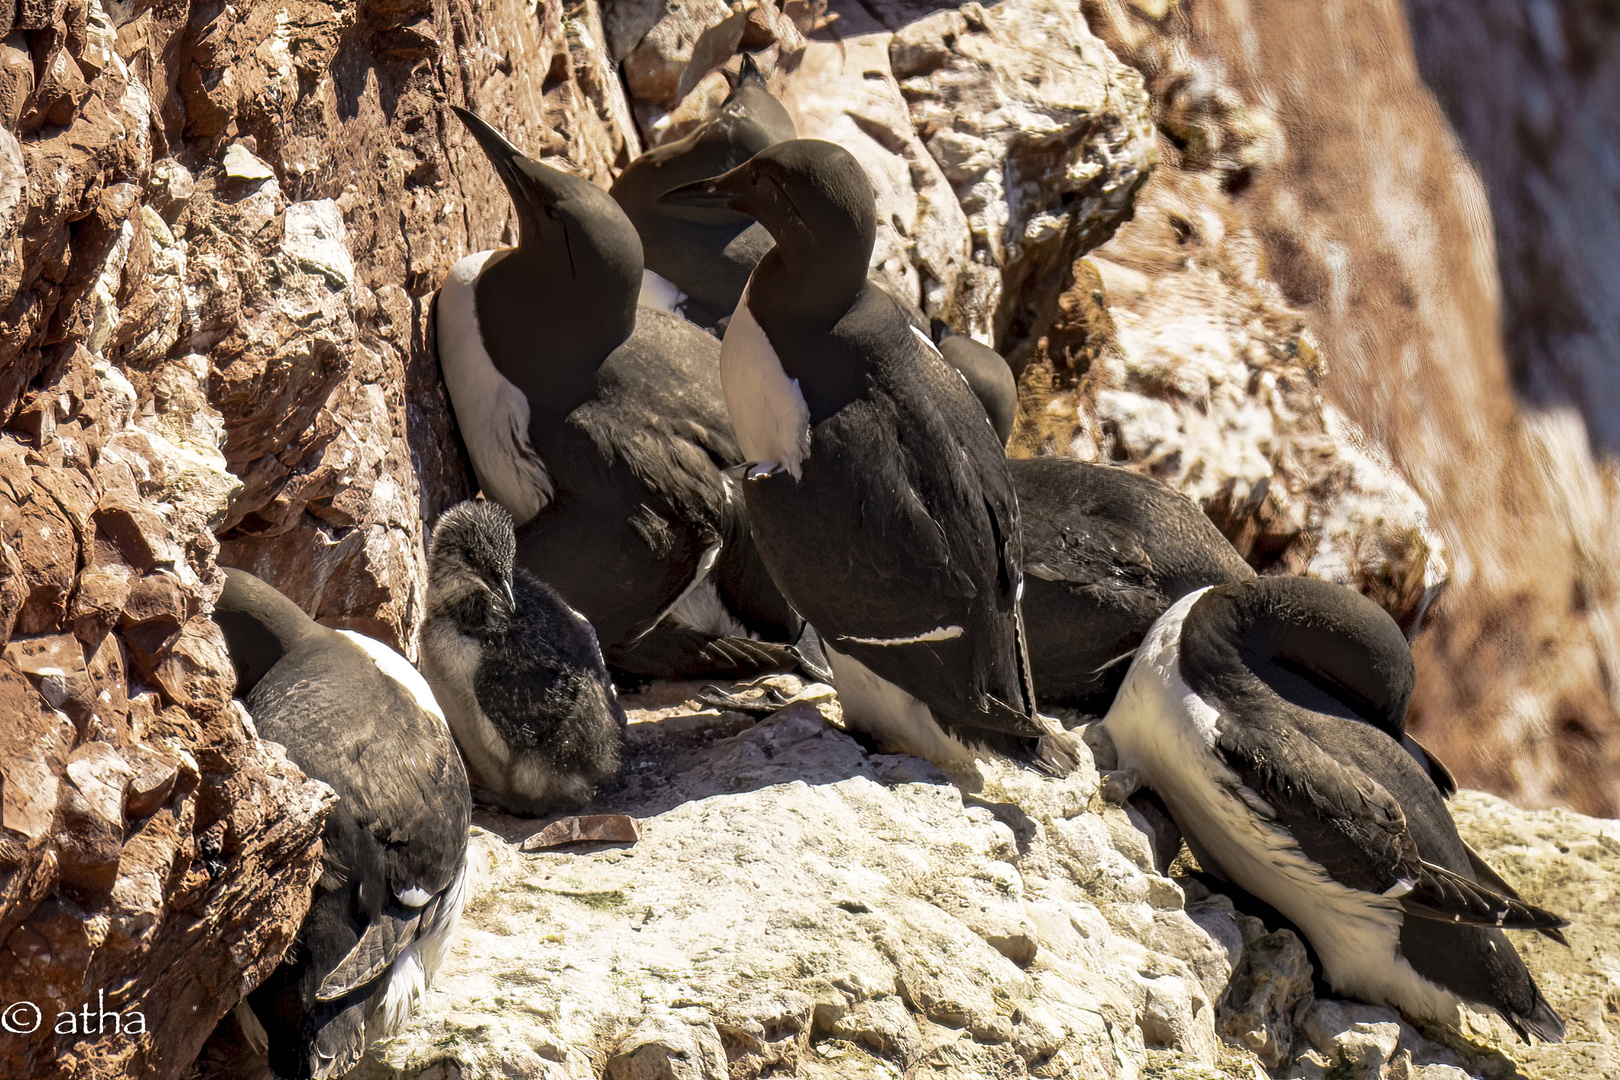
(800, 906)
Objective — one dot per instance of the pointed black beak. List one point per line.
(714, 193)
(534, 187)
(502, 154)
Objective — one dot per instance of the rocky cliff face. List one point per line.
(1236, 247)
(1325, 140)
(799, 906)
(155, 857)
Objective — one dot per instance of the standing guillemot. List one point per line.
(699, 262)
(1259, 712)
(603, 430)
(517, 671)
(881, 507)
(354, 714)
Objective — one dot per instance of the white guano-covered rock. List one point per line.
(824, 912)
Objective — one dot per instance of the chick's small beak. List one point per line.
(511, 601)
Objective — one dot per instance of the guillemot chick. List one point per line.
(602, 428)
(1258, 713)
(517, 671)
(354, 714)
(698, 263)
(882, 508)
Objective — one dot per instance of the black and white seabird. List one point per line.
(882, 508)
(354, 714)
(517, 671)
(1259, 713)
(698, 263)
(603, 430)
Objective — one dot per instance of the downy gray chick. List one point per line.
(518, 672)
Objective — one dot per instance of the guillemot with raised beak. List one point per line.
(1260, 714)
(698, 262)
(354, 714)
(601, 428)
(881, 509)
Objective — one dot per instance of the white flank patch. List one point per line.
(396, 667)
(660, 293)
(942, 633)
(881, 709)
(1165, 732)
(492, 413)
(415, 896)
(767, 409)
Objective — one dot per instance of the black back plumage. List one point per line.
(985, 373)
(400, 822)
(1309, 680)
(708, 253)
(930, 541)
(1106, 551)
(627, 414)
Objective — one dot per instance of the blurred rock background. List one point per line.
(1344, 272)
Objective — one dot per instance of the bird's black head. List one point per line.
(577, 267)
(816, 201)
(470, 560)
(752, 109)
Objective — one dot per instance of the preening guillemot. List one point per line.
(1260, 714)
(517, 671)
(602, 429)
(352, 713)
(882, 508)
(699, 262)
(1106, 551)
